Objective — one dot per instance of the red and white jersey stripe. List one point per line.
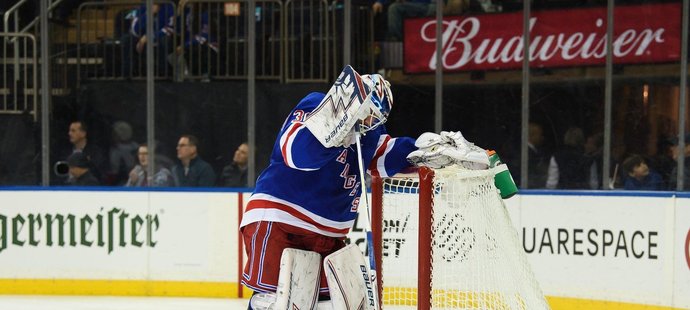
(287, 140)
(264, 207)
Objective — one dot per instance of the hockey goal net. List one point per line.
(444, 240)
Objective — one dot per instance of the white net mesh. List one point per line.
(477, 260)
(400, 223)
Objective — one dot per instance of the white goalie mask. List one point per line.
(379, 99)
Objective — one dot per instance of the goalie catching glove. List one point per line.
(446, 149)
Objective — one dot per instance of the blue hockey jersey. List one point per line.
(316, 188)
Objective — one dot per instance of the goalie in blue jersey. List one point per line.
(308, 196)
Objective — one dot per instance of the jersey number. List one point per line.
(299, 116)
(355, 204)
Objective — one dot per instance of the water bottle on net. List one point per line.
(502, 179)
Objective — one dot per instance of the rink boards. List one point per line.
(608, 246)
(95, 242)
(593, 250)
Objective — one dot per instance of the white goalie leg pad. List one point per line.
(299, 279)
(325, 305)
(347, 273)
(267, 301)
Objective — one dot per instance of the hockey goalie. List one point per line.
(307, 199)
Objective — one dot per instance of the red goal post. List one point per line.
(425, 176)
(443, 240)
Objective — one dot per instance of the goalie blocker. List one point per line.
(353, 99)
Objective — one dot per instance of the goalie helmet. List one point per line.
(381, 99)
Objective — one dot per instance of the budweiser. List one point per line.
(458, 48)
(642, 34)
